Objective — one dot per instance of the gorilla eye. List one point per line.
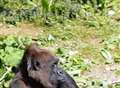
(37, 64)
(55, 62)
(53, 65)
(59, 72)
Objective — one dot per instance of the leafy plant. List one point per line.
(11, 51)
(50, 11)
(110, 44)
(73, 64)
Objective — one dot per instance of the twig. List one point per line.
(8, 70)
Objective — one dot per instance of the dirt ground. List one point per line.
(104, 72)
(20, 30)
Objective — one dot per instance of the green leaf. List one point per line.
(107, 55)
(13, 58)
(45, 5)
(9, 40)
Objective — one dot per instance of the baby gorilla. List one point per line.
(39, 69)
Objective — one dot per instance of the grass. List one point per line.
(87, 40)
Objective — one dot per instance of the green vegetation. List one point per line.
(84, 34)
(51, 11)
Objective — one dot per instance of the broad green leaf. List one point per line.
(13, 58)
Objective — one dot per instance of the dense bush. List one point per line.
(11, 51)
(49, 11)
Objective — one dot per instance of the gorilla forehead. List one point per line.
(39, 53)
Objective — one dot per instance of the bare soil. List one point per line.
(104, 72)
(21, 30)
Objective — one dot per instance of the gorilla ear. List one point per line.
(15, 69)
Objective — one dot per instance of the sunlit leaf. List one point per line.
(107, 55)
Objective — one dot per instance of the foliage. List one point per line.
(117, 85)
(110, 44)
(49, 11)
(73, 64)
(11, 51)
